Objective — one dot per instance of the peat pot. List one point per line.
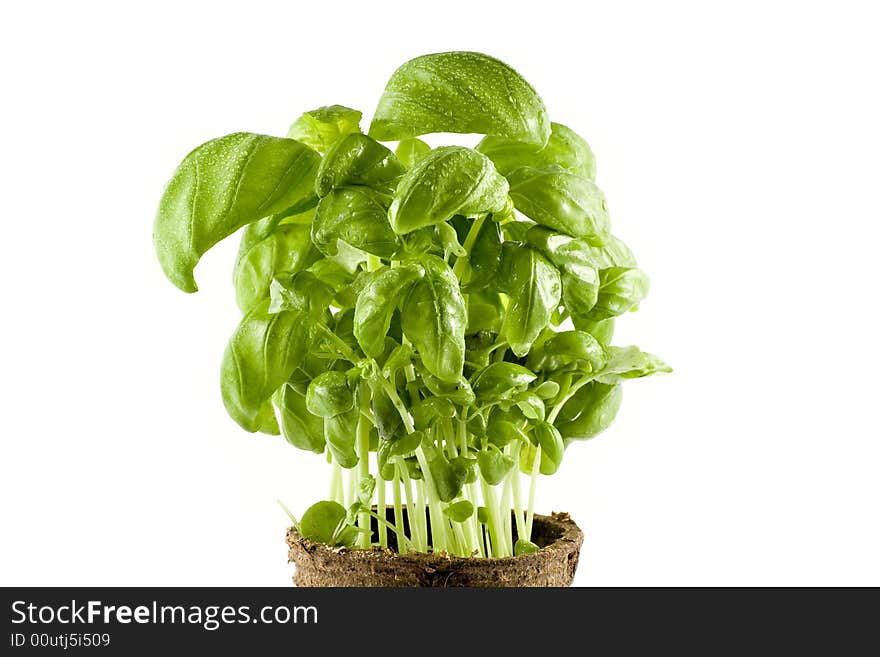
(554, 564)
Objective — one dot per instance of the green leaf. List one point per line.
(485, 312)
(603, 330)
(494, 464)
(620, 290)
(321, 521)
(410, 151)
(523, 546)
(565, 148)
(534, 288)
(505, 425)
(321, 127)
(434, 318)
(377, 301)
(340, 432)
(500, 381)
(448, 181)
(484, 258)
(464, 92)
(262, 354)
(459, 511)
(426, 411)
(590, 410)
(356, 159)
(562, 200)
(329, 395)
(568, 350)
(301, 428)
(385, 415)
(287, 249)
(552, 449)
(358, 216)
(630, 363)
(449, 475)
(225, 184)
(300, 291)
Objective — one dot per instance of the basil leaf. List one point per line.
(410, 151)
(329, 395)
(464, 92)
(500, 381)
(300, 427)
(340, 432)
(562, 200)
(357, 216)
(630, 363)
(459, 511)
(286, 249)
(620, 290)
(565, 349)
(225, 184)
(448, 181)
(485, 312)
(534, 288)
(484, 258)
(357, 160)
(321, 127)
(602, 330)
(591, 410)
(262, 354)
(320, 522)
(565, 148)
(376, 303)
(494, 464)
(434, 318)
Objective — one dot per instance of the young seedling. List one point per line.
(433, 320)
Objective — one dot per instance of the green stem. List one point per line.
(568, 395)
(346, 351)
(438, 519)
(336, 482)
(398, 510)
(384, 524)
(517, 506)
(495, 530)
(414, 528)
(530, 515)
(461, 261)
(380, 506)
(363, 467)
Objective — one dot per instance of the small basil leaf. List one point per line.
(592, 410)
(357, 216)
(523, 546)
(448, 181)
(377, 301)
(262, 354)
(534, 288)
(463, 92)
(427, 411)
(459, 511)
(300, 427)
(407, 444)
(357, 160)
(320, 522)
(340, 432)
(485, 312)
(410, 151)
(500, 381)
(568, 348)
(223, 185)
(494, 465)
(562, 200)
(485, 257)
(434, 319)
(547, 390)
(287, 249)
(321, 127)
(299, 291)
(458, 392)
(552, 447)
(620, 290)
(388, 421)
(630, 363)
(531, 406)
(565, 148)
(602, 330)
(449, 475)
(329, 395)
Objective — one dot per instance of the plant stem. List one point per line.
(380, 506)
(495, 530)
(414, 528)
(363, 467)
(530, 515)
(568, 395)
(336, 482)
(398, 510)
(461, 261)
(438, 520)
(517, 506)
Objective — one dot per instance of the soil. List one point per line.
(554, 564)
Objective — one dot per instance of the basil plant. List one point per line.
(435, 322)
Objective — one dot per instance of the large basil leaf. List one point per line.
(262, 354)
(300, 427)
(321, 127)
(357, 160)
(434, 318)
(565, 148)
(620, 290)
(534, 288)
(562, 200)
(592, 409)
(448, 181)
(464, 92)
(377, 302)
(356, 215)
(286, 249)
(225, 184)
(630, 363)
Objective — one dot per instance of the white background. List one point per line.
(739, 149)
